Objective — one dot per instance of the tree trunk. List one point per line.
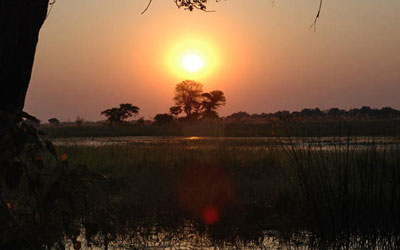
(20, 22)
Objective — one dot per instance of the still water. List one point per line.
(306, 142)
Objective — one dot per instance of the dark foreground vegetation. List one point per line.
(189, 195)
(236, 194)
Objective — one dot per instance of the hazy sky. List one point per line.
(96, 54)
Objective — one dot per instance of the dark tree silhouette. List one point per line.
(238, 116)
(163, 119)
(118, 115)
(311, 112)
(54, 121)
(79, 120)
(335, 112)
(20, 22)
(140, 122)
(211, 102)
(188, 96)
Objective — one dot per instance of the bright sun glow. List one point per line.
(192, 58)
(192, 63)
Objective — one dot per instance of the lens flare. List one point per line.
(205, 191)
(210, 215)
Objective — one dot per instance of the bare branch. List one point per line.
(314, 24)
(147, 7)
(51, 4)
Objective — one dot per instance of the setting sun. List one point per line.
(192, 58)
(192, 63)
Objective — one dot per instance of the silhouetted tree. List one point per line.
(79, 120)
(282, 115)
(238, 116)
(163, 119)
(20, 22)
(388, 112)
(118, 115)
(54, 121)
(334, 112)
(211, 102)
(311, 112)
(140, 121)
(188, 98)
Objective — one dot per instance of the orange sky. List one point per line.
(96, 54)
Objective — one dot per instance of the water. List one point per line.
(303, 142)
(190, 240)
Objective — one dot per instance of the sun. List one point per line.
(192, 58)
(192, 63)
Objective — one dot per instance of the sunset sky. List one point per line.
(96, 54)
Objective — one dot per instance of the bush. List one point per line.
(54, 121)
(163, 119)
(43, 197)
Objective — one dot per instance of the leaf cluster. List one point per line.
(192, 4)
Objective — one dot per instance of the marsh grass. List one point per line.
(351, 194)
(342, 198)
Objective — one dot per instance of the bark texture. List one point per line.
(20, 23)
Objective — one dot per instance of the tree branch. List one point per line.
(314, 24)
(51, 4)
(147, 7)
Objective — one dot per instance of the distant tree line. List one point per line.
(192, 104)
(363, 113)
